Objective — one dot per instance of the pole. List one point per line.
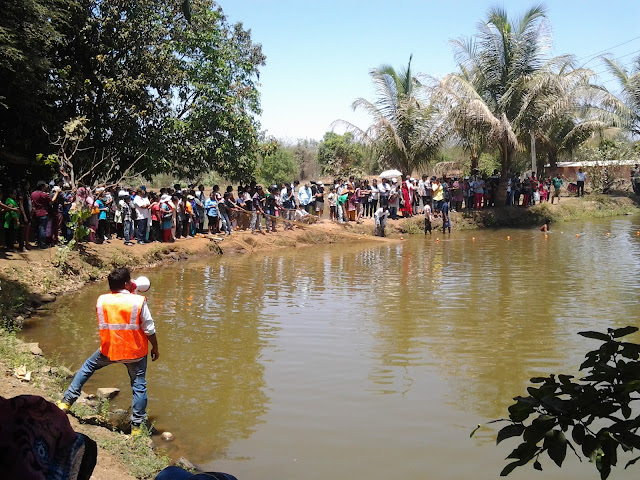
(533, 152)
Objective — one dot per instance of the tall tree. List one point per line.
(404, 132)
(496, 66)
(172, 81)
(629, 82)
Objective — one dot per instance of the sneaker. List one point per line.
(64, 406)
(136, 429)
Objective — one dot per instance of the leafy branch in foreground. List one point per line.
(596, 409)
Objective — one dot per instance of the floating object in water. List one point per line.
(608, 234)
(638, 233)
(577, 235)
(401, 238)
(142, 284)
(508, 237)
(473, 239)
(437, 239)
(546, 236)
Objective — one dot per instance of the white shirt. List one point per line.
(146, 322)
(140, 204)
(427, 212)
(374, 192)
(381, 217)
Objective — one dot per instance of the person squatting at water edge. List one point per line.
(126, 328)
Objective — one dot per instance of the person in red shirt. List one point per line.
(154, 235)
(41, 202)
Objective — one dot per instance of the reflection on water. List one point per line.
(366, 361)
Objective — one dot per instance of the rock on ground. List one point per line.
(107, 393)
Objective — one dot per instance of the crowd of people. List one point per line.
(52, 212)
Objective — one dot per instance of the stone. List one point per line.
(35, 349)
(185, 464)
(108, 393)
(19, 320)
(45, 369)
(43, 298)
(167, 436)
(63, 372)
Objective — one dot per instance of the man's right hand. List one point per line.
(155, 354)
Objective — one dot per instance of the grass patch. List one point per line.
(13, 295)
(137, 453)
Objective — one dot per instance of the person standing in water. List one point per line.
(126, 328)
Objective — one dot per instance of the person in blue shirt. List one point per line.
(101, 234)
(211, 207)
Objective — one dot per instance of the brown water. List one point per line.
(367, 361)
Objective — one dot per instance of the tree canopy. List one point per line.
(181, 90)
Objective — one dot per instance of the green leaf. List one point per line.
(624, 331)
(590, 445)
(631, 462)
(557, 449)
(509, 468)
(475, 430)
(509, 431)
(626, 410)
(596, 335)
(578, 434)
(537, 465)
(603, 466)
(565, 379)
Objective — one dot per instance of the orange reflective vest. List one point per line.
(121, 334)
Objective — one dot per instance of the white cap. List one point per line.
(142, 284)
(394, 180)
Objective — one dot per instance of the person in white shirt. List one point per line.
(581, 177)
(143, 212)
(381, 220)
(428, 218)
(373, 199)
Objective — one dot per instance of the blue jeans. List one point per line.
(142, 230)
(137, 371)
(227, 223)
(128, 230)
(43, 221)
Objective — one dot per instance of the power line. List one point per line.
(607, 49)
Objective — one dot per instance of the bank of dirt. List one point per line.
(60, 270)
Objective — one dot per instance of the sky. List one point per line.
(319, 53)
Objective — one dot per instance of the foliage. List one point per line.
(149, 81)
(604, 163)
(405, 132)
(595, 409)
(305, 155)
(277, 167)
(629, 82)
(340, 155)
(31, 32)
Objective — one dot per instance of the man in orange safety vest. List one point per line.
(126, 329)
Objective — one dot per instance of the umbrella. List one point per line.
(390, 174)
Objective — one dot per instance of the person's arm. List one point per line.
(155, 353)
(149, 329)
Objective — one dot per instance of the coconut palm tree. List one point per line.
(404, 133)
(629, 82)
(495, 67)
(563, 107)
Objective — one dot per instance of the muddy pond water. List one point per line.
(367, 361)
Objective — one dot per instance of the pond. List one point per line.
(367, 361)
